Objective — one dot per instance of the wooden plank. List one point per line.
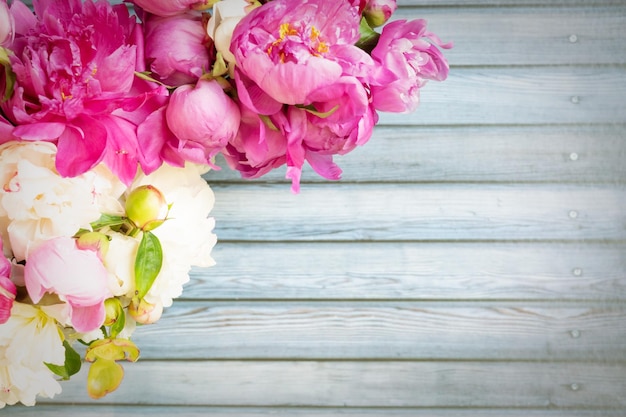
(564, 154)
(67, 410)
(387, 330)
(364, 384)
(528, 36)
(419, 212)
(528, 95)
(412, 271)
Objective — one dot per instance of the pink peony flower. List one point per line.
(77, 276)
(411, 53)
(172, 7)
(257, 149)
(75, 83)
(286, 49)
(343, 120)
(202, 117)
(348, 121)
(176, 48)
(7, 288)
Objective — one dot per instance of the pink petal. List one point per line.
(152, 135)
(253, 97)
(121, 151)
(86, 319)
(39, 131)
(324, 165)
(80, 147)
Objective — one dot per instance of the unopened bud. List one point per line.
(113, 310)
(377, 12)
(95, 241)
(146, 207)
(104, 376)
(145, 313)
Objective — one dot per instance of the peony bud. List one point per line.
(175, 48)
(203, 117)
(377, 12)
(113, 311)
(146, 207)
(104, 376)
(95, 241)
(145, 313)
(171, 8)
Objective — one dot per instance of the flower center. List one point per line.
(296, 44)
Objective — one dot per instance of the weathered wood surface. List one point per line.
(472, 261)
(521, 95)
(203, 411)
(420, 212)
(413, 271)
(389, 330)
(529, 36)
(509, 154)
(368, 384)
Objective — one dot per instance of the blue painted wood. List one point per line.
(470, 263)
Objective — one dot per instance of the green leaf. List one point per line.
(70, 367)
(146, 75)
(268, 122)
(8, 74)
(369, 37)
(147, 263)
(108, 220)
(321, 115)
(220, 67)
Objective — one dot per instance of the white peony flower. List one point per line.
(40, 204)
(120, 262)
(30, 338)
(187, 236)
(226, 15)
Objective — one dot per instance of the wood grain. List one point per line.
(563, 154)
(527, 36)
(472, 262)
(419, 212)
(365, 384)
(387, 330)
(521, 95)
(103, 410)
(412, 271)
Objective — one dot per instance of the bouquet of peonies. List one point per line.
(110, 123)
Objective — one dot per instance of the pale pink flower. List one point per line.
(176, 48)
(412, 54)
(77, 276)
